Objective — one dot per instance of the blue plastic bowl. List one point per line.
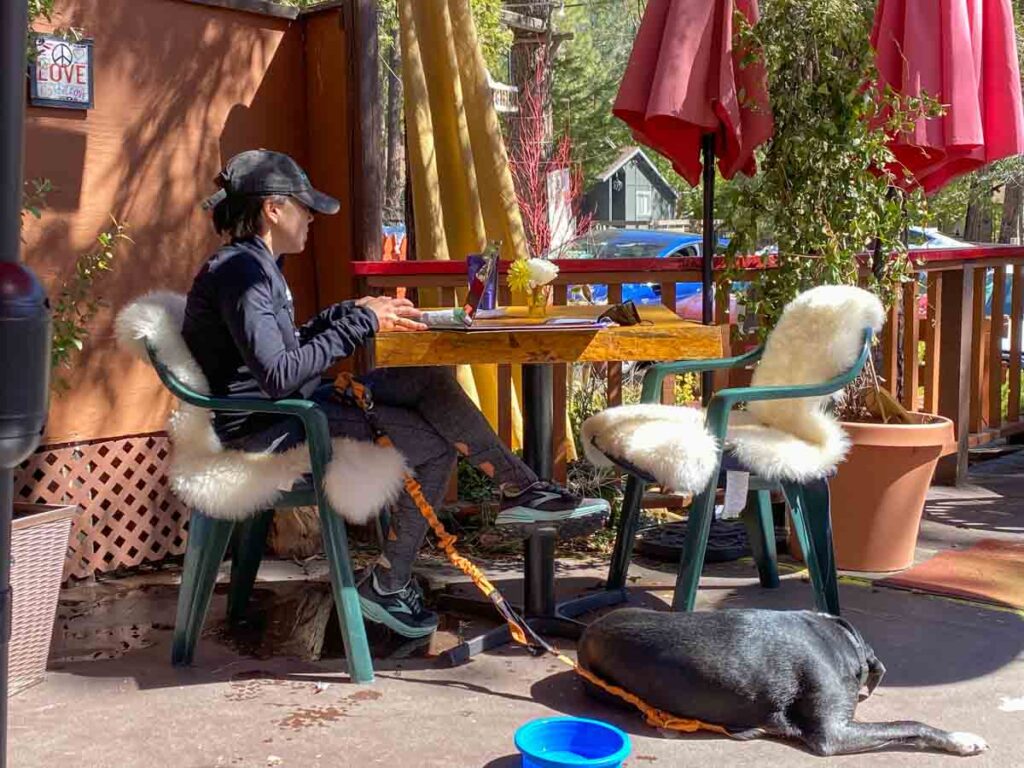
(554, 742)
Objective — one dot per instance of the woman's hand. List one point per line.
(393, 314)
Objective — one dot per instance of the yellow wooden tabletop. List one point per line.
(665, 337)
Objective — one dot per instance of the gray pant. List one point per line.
(431, 421)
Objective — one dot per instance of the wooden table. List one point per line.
(662, 336)
(667, 337)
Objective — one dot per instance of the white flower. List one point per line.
(541, 272)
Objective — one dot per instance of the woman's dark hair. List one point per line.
(240, 216)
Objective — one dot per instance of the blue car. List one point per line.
(637, 244)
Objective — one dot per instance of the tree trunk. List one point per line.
(394, 182)
(1013, 198)
(529, 52)
(978, 224)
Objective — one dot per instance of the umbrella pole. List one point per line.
(707, 281)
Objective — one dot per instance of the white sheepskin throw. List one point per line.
(819, 335)
(668, 443)
(361, 479)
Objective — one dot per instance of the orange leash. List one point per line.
(346, 385)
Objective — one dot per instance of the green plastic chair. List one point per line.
(208, 537)
(809, 503)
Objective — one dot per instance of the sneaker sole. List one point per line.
(373, 612)
(573, 528)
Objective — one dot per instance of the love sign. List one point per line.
(61, 75)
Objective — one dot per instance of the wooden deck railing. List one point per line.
(952, 363)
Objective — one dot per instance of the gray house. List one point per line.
(631, 189)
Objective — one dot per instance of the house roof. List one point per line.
(627, 154)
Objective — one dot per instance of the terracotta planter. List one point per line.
(878, 494)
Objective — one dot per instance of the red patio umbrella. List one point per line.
(685, 94)
(962, 53)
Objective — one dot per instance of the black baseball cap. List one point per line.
(260, 172)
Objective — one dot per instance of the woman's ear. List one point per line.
(271, 210)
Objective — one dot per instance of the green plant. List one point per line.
(37, 9)
(825, 189)
(474, 485)
(75, 305)
(34, 198)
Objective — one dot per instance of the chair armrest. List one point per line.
(657, 372)
(723, 401)
(313, 418)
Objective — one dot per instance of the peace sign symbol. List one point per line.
(62, 55)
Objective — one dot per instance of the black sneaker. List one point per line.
(402, 610)
(545, 502)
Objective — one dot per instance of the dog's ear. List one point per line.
(872, 670)
(876, 671)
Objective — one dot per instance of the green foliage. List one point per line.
(34, 198)
(474, 485)
(37, 9)
(494, 38)
(822, 193)
(588, 69)
(75, 305)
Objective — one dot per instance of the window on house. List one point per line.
(643, 203)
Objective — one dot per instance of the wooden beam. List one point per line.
(1016, 318)
(560, 398)
(259, 7)
(520, 21)
(891, 350)
(614, 393)
(910, 341)
(360, 20)
(955, 335)
(668, 386)
(995, 349)
(977, 311)
(932, 344)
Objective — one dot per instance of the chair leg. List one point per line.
(819, 523)
(691, 563)
(809, 509)
(247, 544)
(757, 517)
(207, 542)
(346, 598)
(629, 520)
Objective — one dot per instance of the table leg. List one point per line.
(541, 612)
(538, 418)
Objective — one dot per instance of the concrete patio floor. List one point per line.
(112, 698)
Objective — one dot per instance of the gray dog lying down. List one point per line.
(791, 674)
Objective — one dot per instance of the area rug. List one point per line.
(991, 571)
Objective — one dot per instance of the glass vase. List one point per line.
(538, 300)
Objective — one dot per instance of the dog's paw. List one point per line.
(963, 743)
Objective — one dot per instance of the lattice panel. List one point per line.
(129, 515)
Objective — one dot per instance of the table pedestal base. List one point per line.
(542, 613)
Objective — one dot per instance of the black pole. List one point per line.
(24, 319)
(538, 418)
(707, 281)
(13, 23)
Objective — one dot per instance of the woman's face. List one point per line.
(288, 220)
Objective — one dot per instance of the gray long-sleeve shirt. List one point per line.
(240, 327)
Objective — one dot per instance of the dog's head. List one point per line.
(872, 670)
